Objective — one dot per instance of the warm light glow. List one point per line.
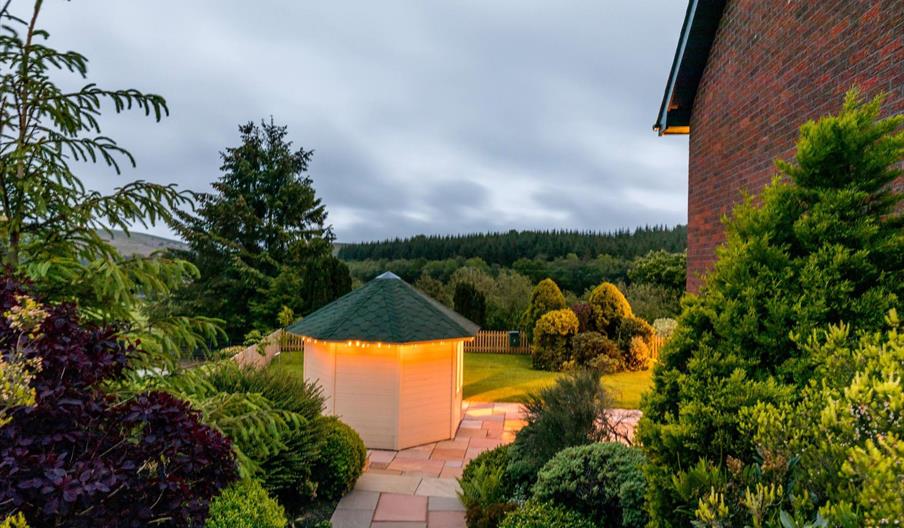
(381, 344)
(677, 130)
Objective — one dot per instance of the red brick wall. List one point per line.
(773, 65)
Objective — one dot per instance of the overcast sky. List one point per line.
(426, 116)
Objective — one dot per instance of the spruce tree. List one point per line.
(260, 240)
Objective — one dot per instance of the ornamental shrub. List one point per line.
(545, 298)
(14, 521)
(608, 306)
(595, 351)
(572, 412)
(483, 489)
(341, 459)
(822, 245)
(603, 482)
(80, 458)
(245, 504)
(552, 339)
(540, 515)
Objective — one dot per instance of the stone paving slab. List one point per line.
(388, 483)
(417, 487)
(435, 504)
(401, 508)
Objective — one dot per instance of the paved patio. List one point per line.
(417, 487)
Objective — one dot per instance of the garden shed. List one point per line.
(389, 360)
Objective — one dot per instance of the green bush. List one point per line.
(595, 351)
(483, 490)
(821, 245)
(633, 336)
(572, 412)
(608, 306)
(287, 474)
(539, 515)
(284, 390)
(341, 459)
(603, 482)
(552, 339)
(651, 302)
(660, 268)
(545, 298)
(245, 504)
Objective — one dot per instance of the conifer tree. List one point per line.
(260, 240)
(823, 246)
(51, 225)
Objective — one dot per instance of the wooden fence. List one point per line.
(274, 344)
(656, 344)
(497, 342)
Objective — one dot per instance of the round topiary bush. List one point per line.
(483, 491)
(545, 297)
(608, 306)
(245, 504)
(552, 339)
(602, 481)
(341, 459)
(544, 515)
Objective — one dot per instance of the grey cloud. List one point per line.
(426, 117)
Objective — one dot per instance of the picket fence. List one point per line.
(497, 342)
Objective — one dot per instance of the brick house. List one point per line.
(748, 73)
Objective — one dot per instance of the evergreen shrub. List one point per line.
(341, 459)
(821, 246)
(483, 489)
(572, 412)
(542, 515)
(603, 482)
(552, 339)
(245, 504)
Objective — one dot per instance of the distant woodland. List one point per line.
(506, 248)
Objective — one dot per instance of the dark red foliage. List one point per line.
(583, 311)
(81, 458)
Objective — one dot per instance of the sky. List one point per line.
(425, 116)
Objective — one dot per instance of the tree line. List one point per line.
(505, 248)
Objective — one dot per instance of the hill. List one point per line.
(505, 248)
(141, 243)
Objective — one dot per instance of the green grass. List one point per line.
(508, 378)
(292, 362)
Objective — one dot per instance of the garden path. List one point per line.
(417, 487)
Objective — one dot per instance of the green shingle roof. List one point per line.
(388, 310)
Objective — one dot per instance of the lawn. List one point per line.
(504, 378)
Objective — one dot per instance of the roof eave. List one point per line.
(695, 41)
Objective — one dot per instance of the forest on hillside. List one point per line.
(506, 248)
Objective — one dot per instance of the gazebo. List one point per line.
(389, 360)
